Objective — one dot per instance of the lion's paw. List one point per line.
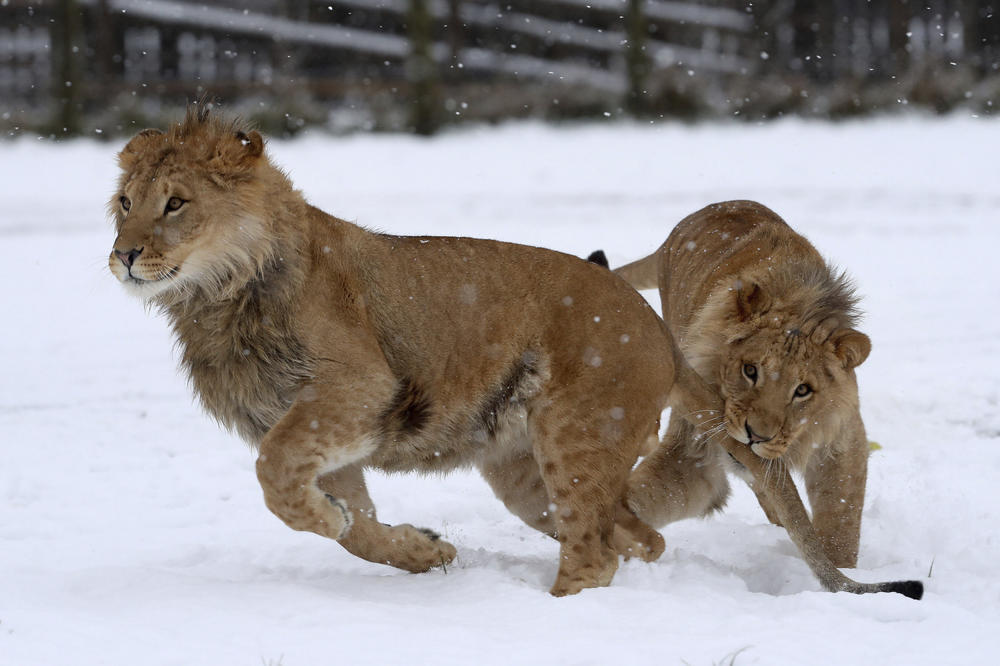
(418, 549)
(647, 548)
(572, 581)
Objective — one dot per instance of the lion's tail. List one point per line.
(641, 274)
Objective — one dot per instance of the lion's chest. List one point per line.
(244, 376)
(243, 395)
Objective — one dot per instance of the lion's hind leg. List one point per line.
(585, 477)
(517, 481)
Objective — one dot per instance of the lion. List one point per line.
(331, 349)
(769, 324)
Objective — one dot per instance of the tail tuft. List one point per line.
(913, 589)
(598, 257)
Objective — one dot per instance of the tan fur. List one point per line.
(738, 287)
(332, 349)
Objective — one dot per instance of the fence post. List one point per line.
(104, 47)
(983, 34)
(772, 38)
(636, 58)
(67, 51)
(421, 70)
(899, 41)
(456, 35)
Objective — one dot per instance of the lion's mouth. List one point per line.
(769, 450)
(164, 275)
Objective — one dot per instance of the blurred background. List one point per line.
(106, 67)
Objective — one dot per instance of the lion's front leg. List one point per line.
(309, 468)
(403, 546)
(765, 504)
(678, 479)
(302, 447)
(836, 487)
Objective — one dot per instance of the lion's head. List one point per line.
(785, 366)
(179, 225)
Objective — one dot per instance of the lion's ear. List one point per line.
(237, 155)
(136, 146)
(751, 299)
(253, 142)
(851, 347)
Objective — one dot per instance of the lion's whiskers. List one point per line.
(709, 434)
(714, 436)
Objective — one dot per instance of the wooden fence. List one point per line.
(424, 62)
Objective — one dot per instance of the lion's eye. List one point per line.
(125, 202)
(802, 390)
(750, 372)
(174, 203)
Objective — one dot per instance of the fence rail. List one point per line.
(418, 63)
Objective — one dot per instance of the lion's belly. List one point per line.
(445, 446)
(418, 454)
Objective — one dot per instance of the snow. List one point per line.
(132, 529)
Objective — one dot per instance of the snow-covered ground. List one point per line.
(132, 529)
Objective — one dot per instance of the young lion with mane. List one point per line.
(331, 349)
(760, 315)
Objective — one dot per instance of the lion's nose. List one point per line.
(128, 258)
(754, 437)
